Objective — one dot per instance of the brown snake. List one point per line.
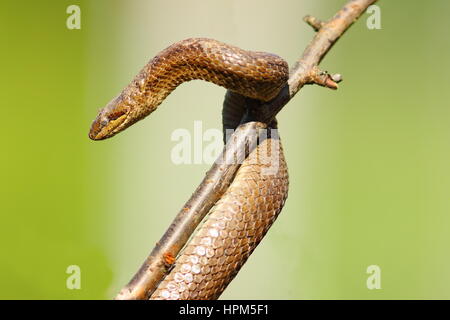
(241, 217)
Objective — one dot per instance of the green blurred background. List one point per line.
(369, 163)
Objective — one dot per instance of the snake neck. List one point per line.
(255, 75)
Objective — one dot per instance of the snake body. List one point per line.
(240, 219)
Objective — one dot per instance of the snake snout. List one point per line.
(107, 123)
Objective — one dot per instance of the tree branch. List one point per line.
(221, 174)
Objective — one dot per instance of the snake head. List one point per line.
(110, 120)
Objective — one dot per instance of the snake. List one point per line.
(239, 220)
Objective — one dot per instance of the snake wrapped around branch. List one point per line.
(245, 211)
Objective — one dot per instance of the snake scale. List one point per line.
(241, 217)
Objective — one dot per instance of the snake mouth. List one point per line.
(107, 125)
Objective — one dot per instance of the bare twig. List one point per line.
(219, 177)
(315, 23)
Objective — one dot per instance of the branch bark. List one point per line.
(219, 177)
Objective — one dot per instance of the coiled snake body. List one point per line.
(240, 219)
